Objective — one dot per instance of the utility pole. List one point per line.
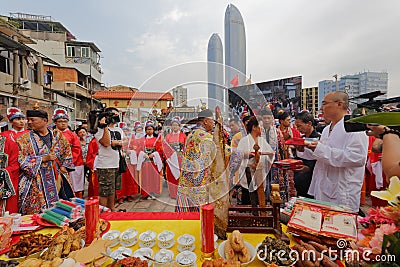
(15, 83)
(336, 81)
(91, 85)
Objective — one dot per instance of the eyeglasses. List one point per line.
(324, 103)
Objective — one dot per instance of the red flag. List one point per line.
(167, 149)
(235, 81)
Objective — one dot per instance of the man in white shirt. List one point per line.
(339, 172)
(109, 139)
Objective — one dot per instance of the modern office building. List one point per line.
(215, 72)
(180, 96)
(235, 47)
(309, 99)
(355, 85)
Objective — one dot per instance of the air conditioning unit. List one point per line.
(24, 83)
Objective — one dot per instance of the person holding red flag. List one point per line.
(9, 174)
(173, 146)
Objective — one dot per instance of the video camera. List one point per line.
(96, 115)
(371, 103)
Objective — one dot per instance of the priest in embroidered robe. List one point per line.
(203, 177)
(43, 156)
(197, 160)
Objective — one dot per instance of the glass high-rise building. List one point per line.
(215, 72)
(235, 46)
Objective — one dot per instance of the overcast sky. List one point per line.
(312, 38)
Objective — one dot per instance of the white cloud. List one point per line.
(173, 16)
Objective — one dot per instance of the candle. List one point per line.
(57, 215)
(78, 200)
(52, 219)
(62, 212)
(64, 206)
(92, 219)
(67, 203)
(207, 228)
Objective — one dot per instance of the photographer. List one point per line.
(390, 150)
(109, 139)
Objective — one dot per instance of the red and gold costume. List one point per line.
(9, 168)
(150, 169)
(129, 185)
(174, 146)
(13, 134)
(93, 148)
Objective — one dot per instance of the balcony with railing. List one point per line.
(76, 89)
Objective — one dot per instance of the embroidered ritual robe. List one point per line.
(196, 171)
(39, 181)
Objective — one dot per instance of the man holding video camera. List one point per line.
(109, 139)
(339, 171)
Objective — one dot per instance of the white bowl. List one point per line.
(147, 236)
(186, 258)
(117, 254)
(112, 235)
(181, 249)
(252, 251)
(166, 236)
(163, 256)
(186, 242)
(165, 239)
(147, 244)
(144, 251)
(129, 237)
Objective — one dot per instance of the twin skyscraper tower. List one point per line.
(235, 59)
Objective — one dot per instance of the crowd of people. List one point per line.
(120, 161)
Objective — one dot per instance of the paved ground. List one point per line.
(162, 203)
